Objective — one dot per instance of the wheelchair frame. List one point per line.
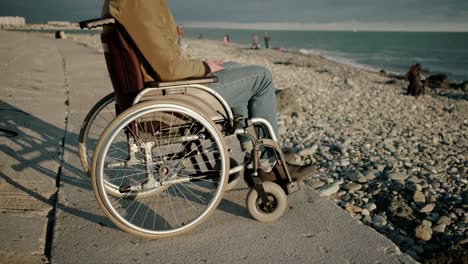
(156, 96)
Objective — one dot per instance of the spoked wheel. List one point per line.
(169, 165)
(263, 212)
(97, 119)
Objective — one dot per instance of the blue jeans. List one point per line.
(249, 91)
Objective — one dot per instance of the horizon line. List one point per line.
(342, 26)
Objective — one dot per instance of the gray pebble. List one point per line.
(365, 212)
(418, 197)
(370, 206)
(427, 208)
(439, 228)
(398, 176)
(379, 220)
(423, 231)
(330, 189)
(444, 220)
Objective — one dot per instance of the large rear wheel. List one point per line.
(97, 119)
(168, 164)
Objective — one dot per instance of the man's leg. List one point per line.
(248, 90)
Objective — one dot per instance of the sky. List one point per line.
(420, 15)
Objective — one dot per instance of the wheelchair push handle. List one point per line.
(97, 22)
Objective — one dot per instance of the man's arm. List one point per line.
(152, 28)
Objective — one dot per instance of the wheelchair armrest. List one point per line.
(202, 80)
(97, 22)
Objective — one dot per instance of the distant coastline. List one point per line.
(67, 26)
(343, 26)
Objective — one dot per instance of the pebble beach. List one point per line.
(395, 162)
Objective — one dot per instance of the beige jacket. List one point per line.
(152, 27)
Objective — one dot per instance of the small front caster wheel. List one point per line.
(263, 212)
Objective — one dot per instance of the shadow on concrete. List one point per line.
(39, 142)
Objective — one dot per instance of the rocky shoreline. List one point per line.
(395, 162)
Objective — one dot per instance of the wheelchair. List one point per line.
(157, 153)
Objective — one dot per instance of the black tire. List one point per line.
(277, 198)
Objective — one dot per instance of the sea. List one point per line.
(393, 52)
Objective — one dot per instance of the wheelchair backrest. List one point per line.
(123, 65)
(124, 61)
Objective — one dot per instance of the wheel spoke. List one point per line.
(173, 184)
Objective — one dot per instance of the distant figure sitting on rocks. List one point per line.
(416, 87)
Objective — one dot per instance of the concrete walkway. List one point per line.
(46, 88)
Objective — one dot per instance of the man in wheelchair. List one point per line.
(249, 90)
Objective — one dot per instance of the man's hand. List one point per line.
(215, 65)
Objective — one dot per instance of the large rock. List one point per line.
(437, 81)
(288, 102)
(464, 86)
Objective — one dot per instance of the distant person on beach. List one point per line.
(266, 36)
(416, 87)
(254, 41)
(249, 90)
(226, 39)
(180, 32)
(60, 34)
